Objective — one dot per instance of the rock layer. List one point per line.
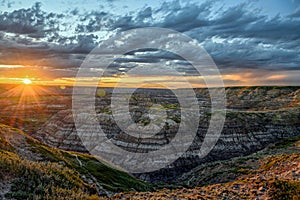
(256, 117)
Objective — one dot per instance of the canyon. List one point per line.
(256, 117)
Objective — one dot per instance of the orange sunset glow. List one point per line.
(234, 79)
(109, 99)
(28, 99)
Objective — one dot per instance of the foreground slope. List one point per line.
(31, 170)
(273, 173)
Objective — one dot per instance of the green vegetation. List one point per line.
(55, 174)
(171, 106)
(110, 178)
(288, 142)
(33, 179)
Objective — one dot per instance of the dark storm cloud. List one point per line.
(32, 21)
(251, 53)
(157, 54)
(99, 21)
(151, 58)
(250, 39)
(237, 37)
(184, 18)
(67, 55)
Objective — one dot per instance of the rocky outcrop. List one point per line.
(273, 173)
(60, 132)
(256, 117)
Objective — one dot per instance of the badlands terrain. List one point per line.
(256, 156)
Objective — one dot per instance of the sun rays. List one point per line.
(27, 81)
(23, 101)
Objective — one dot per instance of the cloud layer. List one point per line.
(239, 38)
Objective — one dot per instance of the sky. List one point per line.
(251, 42)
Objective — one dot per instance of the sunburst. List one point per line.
(26, 81)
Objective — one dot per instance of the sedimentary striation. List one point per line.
(255, 118)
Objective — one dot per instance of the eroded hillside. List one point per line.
(255, 118)
(32, 170)
(257, 155)
(272, 173)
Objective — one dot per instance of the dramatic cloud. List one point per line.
(32, 21)
(238, 36)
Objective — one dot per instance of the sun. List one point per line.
(27, 81)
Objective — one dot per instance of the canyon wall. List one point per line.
(255, 118)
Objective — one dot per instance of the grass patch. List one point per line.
(288, 142)
(110, 178)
